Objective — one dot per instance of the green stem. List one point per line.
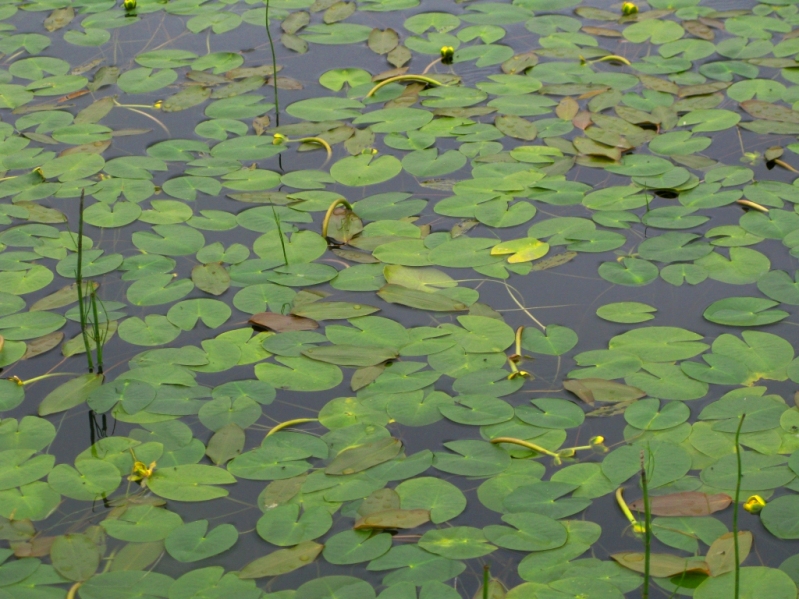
(526, 444)
(82, 309)
(98, 339)
(274, 65)
(73, 590)
(417, 78)
(612, 58)
(648, 530)
(280, 234)
(319, 141)
(326, 222)
(486, 580)
(288, 423)
(735, 509)
(40, 378)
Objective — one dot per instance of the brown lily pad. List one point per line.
(689, 503)
(282, 323)
(393, 519)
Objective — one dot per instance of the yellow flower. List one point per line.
(129, 5)
(598, 440)
(279, 139)
(158, 104)
(520, 374)
(141, 471)
(755, 504)
(628, 8)
(447, 52)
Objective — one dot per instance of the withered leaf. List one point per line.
(720, 556)
(662, 565)
(393, 519)
(591, 390)
(688, 503)
(282, 323)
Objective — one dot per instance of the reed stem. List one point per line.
(274, 66)
(99, 340)
(486, 580)
(280, 234)
(82, 308)
(735, 509)
(648, 527)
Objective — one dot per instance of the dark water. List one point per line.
(568, 295)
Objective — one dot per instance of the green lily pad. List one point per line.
(626, 312)
(744, 311)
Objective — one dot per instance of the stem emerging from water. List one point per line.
(486, 580)
(735, 509)
(82, 308)
(274, 65)
(326, 221)
(280, 235)
(648, 525)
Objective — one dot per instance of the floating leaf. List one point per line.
(688, 503)
(662, 565)
(282, 561)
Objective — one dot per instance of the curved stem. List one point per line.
(135, 108)
(279, 427)
(752, 205)
(626, 509)
(525, 444)
(41, 378)
(120, 105)
(419, 78)
(321, 142)
(431, 65)
(274, 65)
(73, 590)
(326, 222)
(613, 58)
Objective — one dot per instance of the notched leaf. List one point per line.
(282, 323)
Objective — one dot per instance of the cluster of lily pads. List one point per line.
(275, 322)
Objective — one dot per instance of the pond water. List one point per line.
(408, 318)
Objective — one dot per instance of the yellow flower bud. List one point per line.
(628, 8)
(279, 139)
(141, 471)
(447, 52)
(755, 504)
(129, 5)
(598, 440)
(157, 104)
